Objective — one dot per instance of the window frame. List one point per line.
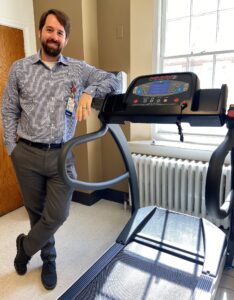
(160, 131)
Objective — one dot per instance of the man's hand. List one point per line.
(84, 107)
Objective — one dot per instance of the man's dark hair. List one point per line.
(61, 17)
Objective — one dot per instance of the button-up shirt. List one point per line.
(35, 98)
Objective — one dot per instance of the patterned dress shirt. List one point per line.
(35, 98)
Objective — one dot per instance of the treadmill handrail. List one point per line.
(121, 142)
(213, 179)
(79, 183)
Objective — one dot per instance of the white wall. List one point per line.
(19, 14)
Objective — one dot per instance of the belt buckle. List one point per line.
(49, 146)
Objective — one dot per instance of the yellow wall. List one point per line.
(114, 55)
(114, 34)
(141, 51)
(90, 31)
(141, 37)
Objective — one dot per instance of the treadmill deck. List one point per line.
(141, 272)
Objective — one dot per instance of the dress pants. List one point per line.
(46, 197)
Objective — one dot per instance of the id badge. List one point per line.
(70, 106)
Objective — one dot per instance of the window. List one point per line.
(195, 36)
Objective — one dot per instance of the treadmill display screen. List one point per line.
(161, 89)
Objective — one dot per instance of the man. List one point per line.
(44, 97)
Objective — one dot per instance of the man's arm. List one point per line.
(11, 111)
(98, 83)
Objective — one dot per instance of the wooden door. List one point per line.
(11, 49)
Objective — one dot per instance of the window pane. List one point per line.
(224, 4)
(204, 6)
(203, 33)
(203, 67)
(194, 135)
(187, 39)
(178, 8)
(224, 73)
(177, 37)
(174, 65)
(226, 22)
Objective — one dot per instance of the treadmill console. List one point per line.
(168, 89)
(167, 98)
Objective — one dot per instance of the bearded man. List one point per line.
(45, 95)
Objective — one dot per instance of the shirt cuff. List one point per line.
(91, 90)
(10, 148)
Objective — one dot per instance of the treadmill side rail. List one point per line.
(214, 238)
(73, 292)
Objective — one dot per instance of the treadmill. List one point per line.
(161, 254)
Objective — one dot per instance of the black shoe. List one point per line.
(49, 275)
(21, 258)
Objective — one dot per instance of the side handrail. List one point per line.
(121, 142)
(214, 175)
(79, 183)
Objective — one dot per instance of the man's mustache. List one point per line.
(53, 41)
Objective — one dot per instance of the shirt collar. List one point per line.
(37, 58)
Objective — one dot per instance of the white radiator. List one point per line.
(177, 184)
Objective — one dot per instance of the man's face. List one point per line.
(52, 36)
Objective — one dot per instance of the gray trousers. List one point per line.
(46, 197)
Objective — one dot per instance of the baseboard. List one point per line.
(108, 194)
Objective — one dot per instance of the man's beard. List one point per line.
(49, 50)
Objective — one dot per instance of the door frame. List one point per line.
(28, 34)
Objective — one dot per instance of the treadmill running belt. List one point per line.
(141, 272)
